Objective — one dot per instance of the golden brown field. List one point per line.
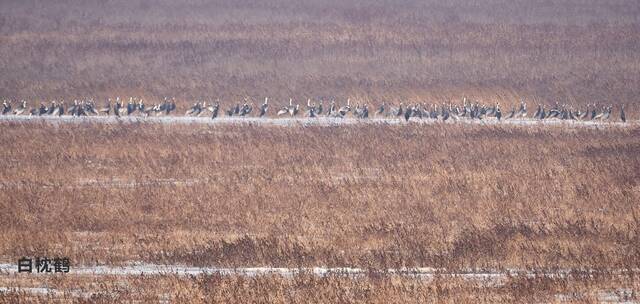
(371, 196)
(574, 51)
(557, 204)
(313, 289)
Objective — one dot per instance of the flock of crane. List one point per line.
(445, 111)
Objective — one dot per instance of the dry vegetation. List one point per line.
(371, 196)
(368, 196)
(574, 51)
(312, 289)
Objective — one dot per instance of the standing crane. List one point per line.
(264, 107)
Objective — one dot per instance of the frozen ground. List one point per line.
(489, 278)
(305, 121)
(129, 183)
(138, 268)
(46, 291)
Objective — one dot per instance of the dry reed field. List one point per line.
(312, 289)
(381, 196)
(574, 52)
(521, 212)
(460, 197)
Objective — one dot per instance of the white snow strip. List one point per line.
(305, 121)
(138, 268)
(45, 291)
(488, 278)
(155, 182)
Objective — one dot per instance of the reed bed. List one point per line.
(312, 289)
(450, 196)
(380, 196)
(573, 52)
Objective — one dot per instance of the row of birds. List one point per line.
(468, 109)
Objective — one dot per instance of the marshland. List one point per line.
(538, 211)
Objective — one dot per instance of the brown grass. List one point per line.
(574, 52)
(371, 196)
(312, 289)
(453, 196)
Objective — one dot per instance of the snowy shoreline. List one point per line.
(140, 268)
(305, 121)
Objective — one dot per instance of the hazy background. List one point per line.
(574, 51)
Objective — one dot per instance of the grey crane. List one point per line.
(163, 107)
(43, 109)
(585, 114)
(601, 115)
(311, 109)
(118, 107)
(445, 113)
(60, 110)
(231, 111)
(380, 110)
(522, 112)
(285, 109)
(572, 114)
(361, 112)
(148, 110)
(433, 113)
(214, 110)
(80, 109)
(73, 109)
(6, 107)
(481, 112)
(131, 106)
(466, 108)
(246, 109)
(417, 111)
(397, 112)
(21, 108)
(554, 112)
(407, 113)
(195, 109)
(332, 108)
(345, 109)
(513, 113)
(453, 112)
(107, 108)
(167, 107)
(490, 111)
(594, 112)
(365, 111)
(264, 107)
(607, 113)
(53, 107)
(293, 110)
(473, 111)
(89, 107)
(141, 107)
